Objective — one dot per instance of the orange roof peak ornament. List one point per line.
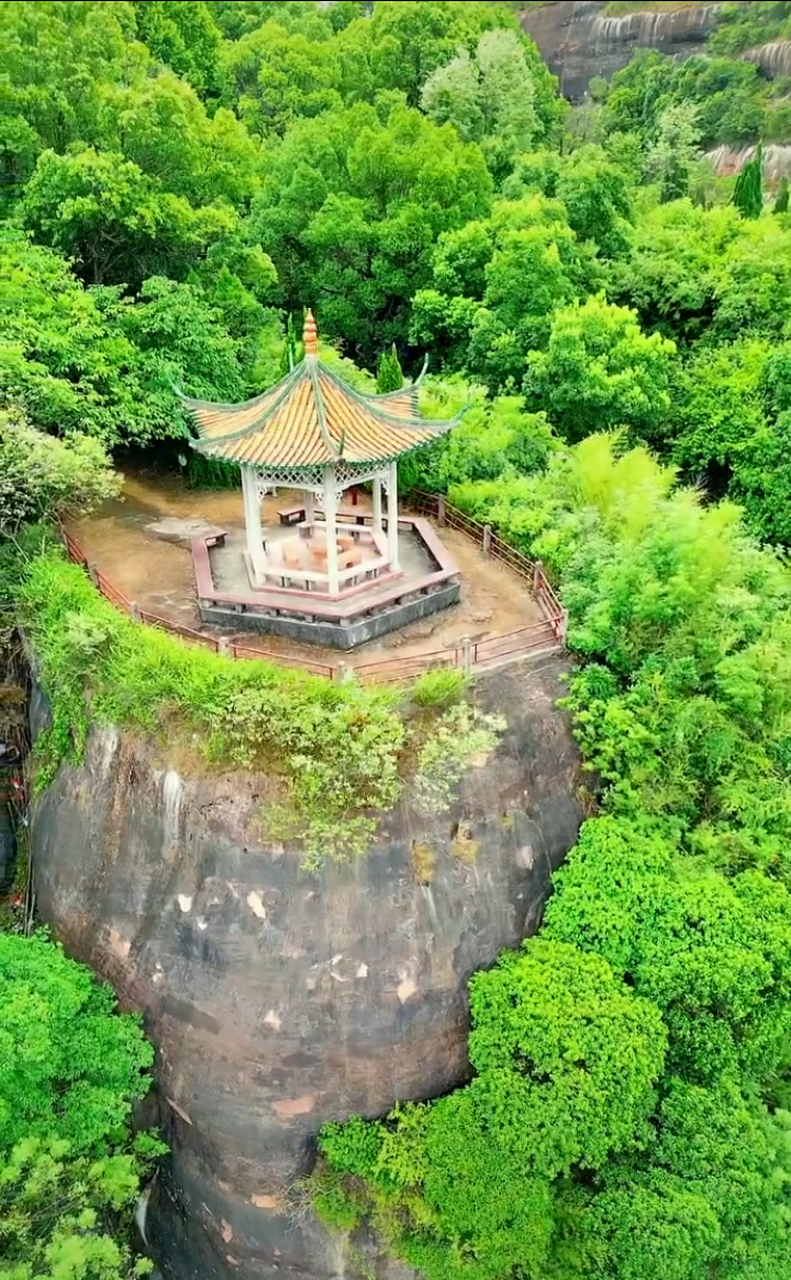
(310, 335)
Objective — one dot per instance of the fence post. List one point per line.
(441, 510)
(344, 674)
(93, 574)
(134, 611)
(538, 573)
(487, 539)
(224, 646)
(563, 626)
(465, 644)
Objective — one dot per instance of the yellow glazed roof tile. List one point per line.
(312, 418)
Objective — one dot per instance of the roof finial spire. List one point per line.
(310, 335)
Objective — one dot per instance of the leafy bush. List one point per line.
(39, 475)
(460, 736)
(438, 688)
(69, 1171)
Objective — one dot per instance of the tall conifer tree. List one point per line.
(389, 376)
(748, 195)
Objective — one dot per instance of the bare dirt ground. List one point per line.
(153, 568)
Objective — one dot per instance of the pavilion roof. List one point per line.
(312, 418)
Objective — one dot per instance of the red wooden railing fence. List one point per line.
(466, 655)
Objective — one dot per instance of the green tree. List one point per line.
(159, 123)
(489, 97)
(694, 272)
(674, 149)
(708, 1205)
(282, 75)
(180, 338)
(748, 195)
(59, 363)
(729, 94)
(468, 1185)
(600, 371)
(754, 285)
(69, 1173)
(186, 37)
(638, 93)
(56, 60)
(65, 1217)
(106, 213)
(388, 372)
(40, 475)
(351, 209)
(508, 98)
(520, 264)
(412, 38)
(717, 411)
(597, 200)
(782, 197)
(93, 362)
(78, 77)
(674, 268)
(452, 95)
(77, 1065)
(236, 18)
(714, 954)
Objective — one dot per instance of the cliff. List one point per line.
(728, 161)
(579, 41)
(277, 999)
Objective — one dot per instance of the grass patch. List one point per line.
(442, 687)
(334, 747)
(335, 753)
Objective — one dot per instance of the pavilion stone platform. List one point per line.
(328, 572)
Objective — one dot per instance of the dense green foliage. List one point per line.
(179, 182)
(72, 1067)
(40, 473)
(633, 1062)
(179, 179)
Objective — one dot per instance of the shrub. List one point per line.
(440, 687)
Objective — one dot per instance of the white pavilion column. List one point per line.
(392, 515)
(310, 513)
(377, 504)
(330, 523)
(252, 516)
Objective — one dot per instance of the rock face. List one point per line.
(579, 42)
(728, 161)
(279, 1000)
(773, 58)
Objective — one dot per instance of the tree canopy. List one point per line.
(178, 183)
(69, 1170)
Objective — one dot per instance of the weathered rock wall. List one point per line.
(579, 42)
(728, 161)
(279, 1000)
(774, 58)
